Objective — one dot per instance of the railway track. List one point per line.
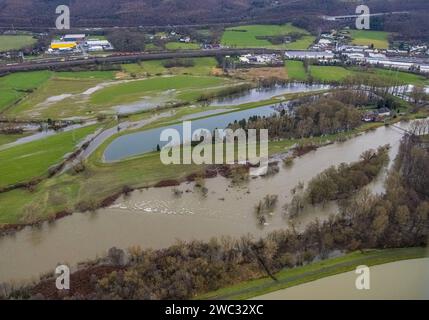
(122, 58)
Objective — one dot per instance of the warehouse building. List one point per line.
(74, 38)
(62, 46)
(98, 45)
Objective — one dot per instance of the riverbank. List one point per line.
(292, 277)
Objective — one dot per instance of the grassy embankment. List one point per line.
(251, 36)
(15, 42)
(292, 277)
(379, 39)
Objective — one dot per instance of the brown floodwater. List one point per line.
(156, 218)
(407, 280)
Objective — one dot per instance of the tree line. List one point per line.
(325, 116)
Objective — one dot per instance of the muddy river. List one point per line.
(398, 280)
(156, 218)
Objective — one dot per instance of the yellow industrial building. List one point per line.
(63, 45)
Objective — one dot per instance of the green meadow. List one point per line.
(9, 138)
(336, 74)
(295, 70)
(15, 42)
(181, 46)
(36, 104)
(330, 73)
(55, 95)
(31, 160)
(250, 36)
(15, 86)
(189, 88)
(379, 39)
(201, 66)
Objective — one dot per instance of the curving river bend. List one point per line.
(156, 218)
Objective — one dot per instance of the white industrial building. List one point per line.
(98, 45)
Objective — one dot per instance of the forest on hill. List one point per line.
(97, 13)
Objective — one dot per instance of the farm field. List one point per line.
(379, 39)
(15, 86)
(15, 42)
(181, 46)
(32, 160)
(201, 66)
(187, 88)
(330, 73)
(80, 94)
(404, 77)
(58, 97)
(251, 36)
(295, 70)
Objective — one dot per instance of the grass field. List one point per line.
(249, 36)
(9, 138)
(36, 105)
(292, 277)
(379, 39)
(100, 180)
(30, 160)
(295, 70)
(404, 77)
(15, 86)
(330, 73)
(12, 42)
(181, 46)
(336, 74)
(60, 94)
(202, 66)
(100, 75)
(188, 88)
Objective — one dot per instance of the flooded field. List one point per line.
(156, 218)
(398, 280)
(260, 94)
